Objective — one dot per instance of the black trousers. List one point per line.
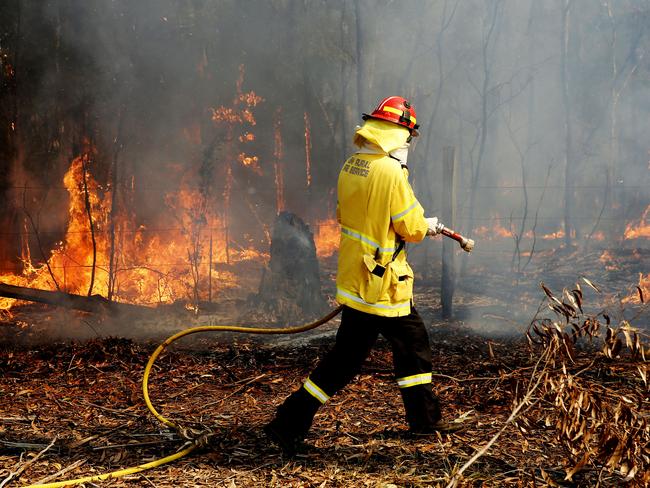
(355, 338)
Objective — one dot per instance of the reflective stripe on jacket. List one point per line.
(376, 209)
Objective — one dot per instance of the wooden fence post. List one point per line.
(449, 219)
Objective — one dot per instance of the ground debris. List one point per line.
(86, 397)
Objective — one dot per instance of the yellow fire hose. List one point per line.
(169, 423)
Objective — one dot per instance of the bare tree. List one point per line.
(484, 92)
(38, 239)
(446, 18)
(114, 185)
(620, 76)
(518, 234)
(84, 162)
(569, 175)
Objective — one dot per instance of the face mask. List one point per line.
(401, 153)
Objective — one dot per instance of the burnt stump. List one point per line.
(290, 288)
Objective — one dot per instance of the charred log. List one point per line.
(290, 288)
(94, 303)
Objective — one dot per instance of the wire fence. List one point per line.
(156, 267)
(461, 221)
(318, 224)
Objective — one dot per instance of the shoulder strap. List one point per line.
(400, 246)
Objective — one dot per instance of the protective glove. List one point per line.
(435, 227)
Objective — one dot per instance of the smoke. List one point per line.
(519, 88)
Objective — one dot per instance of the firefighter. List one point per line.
(378, 212)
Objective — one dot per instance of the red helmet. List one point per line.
(397, 110)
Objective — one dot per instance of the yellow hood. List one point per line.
(386, 135)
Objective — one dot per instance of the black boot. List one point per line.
(440, 426)
(423, 410)
(292, 421)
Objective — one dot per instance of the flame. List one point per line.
(642, 229)
(252, 162)
(250, 99)
(106, 252)
(247, 116)
(327, 237)
(240, 109)
(644, 285)
(70, 266)
(240, 113)
(559, 234)
(493, 231)
(150, 266)
(226, 114)
(608, 260)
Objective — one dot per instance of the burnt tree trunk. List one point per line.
(91, 303)
(569, 174)
(290, 288)
(448, 282)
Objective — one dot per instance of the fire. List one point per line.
(559, 234)
(226, 114)
(240, 113)
(240, 110)
(493, 231)
(642, 229)
(250, 99)
(554, 235)
(326, 237)
(76, 264)
(252, 162)
(644, 285)
(145, 266)
(608, 260)
(106, 252)
(246, 137)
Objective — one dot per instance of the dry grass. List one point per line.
(565, 406)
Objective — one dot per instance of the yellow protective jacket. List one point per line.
(376, 209)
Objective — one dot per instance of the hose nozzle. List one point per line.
(466, 244)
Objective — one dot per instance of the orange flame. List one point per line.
(492, 231)
(644, 285)
(225, 114)
(642, 229)
(150, 265)
(559, 234)
(252, 162)
(71, 263)
(608, 260)
(327, 237)
(145, 265)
